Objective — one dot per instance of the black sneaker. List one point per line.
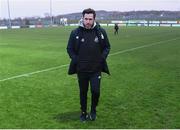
(92, 116)
(83, 117)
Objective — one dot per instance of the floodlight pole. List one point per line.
(9, 14)
(51, 12)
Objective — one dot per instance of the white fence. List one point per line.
(148, 23)
(120, 23)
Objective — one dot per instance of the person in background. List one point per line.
(116, 28)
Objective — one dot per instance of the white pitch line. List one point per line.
(61, 66)
(139, 47)
(35, 72)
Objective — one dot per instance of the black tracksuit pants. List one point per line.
(116, 31)
(94, 79)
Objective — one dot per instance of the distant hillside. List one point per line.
(102, 17)
(131, 15)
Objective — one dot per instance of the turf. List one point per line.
(142, 91)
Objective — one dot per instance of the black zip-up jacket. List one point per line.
(88, 50)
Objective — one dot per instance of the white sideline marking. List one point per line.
(61, 66)
(135, 48)
(35, 72)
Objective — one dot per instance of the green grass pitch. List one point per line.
(143, 90)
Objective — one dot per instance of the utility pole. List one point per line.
(9, 15)
(51, 12)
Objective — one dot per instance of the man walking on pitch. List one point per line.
(88, 48)
(116, 28)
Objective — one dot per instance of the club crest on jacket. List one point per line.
(82, 40)
(96, 39)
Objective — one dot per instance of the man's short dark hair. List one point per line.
(89, 11)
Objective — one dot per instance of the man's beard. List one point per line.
(89, 26)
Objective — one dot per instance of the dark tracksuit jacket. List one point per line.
(88, 50)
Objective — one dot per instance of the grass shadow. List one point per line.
(68, 116)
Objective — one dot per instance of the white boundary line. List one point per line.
(139, 47)
(35, 72)
(65, 65)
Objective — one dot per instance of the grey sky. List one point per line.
(28, 8)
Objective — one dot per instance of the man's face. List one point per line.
(88, 20)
